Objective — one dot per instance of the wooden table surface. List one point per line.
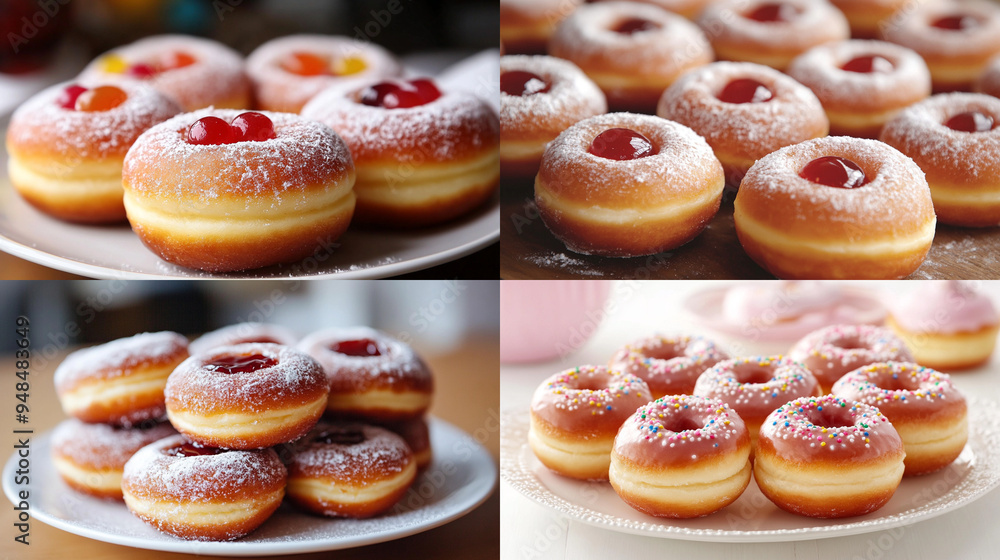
(528, 250)
(466, 394)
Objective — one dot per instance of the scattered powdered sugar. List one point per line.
(913, 29)
(814, 24)
(570, 98)
(381, 454)
(102, 446)
(243, 332)
(118, 357)
(577, 266)
(397, 366)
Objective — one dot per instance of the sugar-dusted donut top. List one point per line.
(244, 332)
(816, 22)
(366, 455)
(754, 386)
(906, 391)
(120, 358)
(396, 368)
(102, 446)
(571, 96)
(913, 28)
(588, 401)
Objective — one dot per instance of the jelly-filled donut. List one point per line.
(625, 185)
(527, 25)
(755, 386)
(244, 332)
(745, 111)
(221, 190)
(834, 208)
(681, 456)
(862, 84)
(203, 493)
(833, 351)
(632, 51)
(372, 376)
(770, 32)
(868, 17)
(350, 470)
(670, 365)
(90, 457)
(923, 406)
(246, 396)
(417, 436)
(194, 72)
(424, 156)
(576, 414)
(956, 39)
(289, 71)
(67, 145)
(120, 382)
(827, 457)
(955, 139)
(540, 96)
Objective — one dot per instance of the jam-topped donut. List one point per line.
(828, 457)
(203, 493)
(770, 32)
(349, 470)
(244, 332)
(670, 365)
(575, 415)
(221, 190)
(90, 457)
(67, 144)
(833, 351)
(835, 207)
(745, 111)
(372, 375)
(246, 396)
(120, 382)
(625, 185)
(955, 139)
(862, 84)
(424, 156)
(632, 51)
(540, 96)
(289, 71)
(681, 456)
(956, 39)
(868, 17)
(755, 386)
(925, 408)
(527, 25)
(194, 72)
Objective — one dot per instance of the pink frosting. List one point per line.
(945, 307)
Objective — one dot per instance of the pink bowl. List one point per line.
(543, 319)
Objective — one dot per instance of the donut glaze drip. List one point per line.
(745, 90)
(190, 449)
(522, 83)
(635, 25)
(834, 171)
(972, 121)
(957, 22)
(773, 12)
(622, 144)
(869, 64)
(339, 436)
(240, 364)
(361, 347)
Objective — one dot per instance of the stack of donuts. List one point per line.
(203, 440)
(209, 159)
(819, 114)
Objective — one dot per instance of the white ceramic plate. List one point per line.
(753, 518)
(460, 478)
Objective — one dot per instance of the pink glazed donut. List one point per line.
(831, 352)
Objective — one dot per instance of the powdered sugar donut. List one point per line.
(203, 493)
(770, 33)
(835, 207)
(955, 140)
(868, 17)
(417, 436)
(745, 111)
(289, 71)
(244, 332)
(540, 97)
(687, 8)
(631, 51)
(526, 25)
(831, 352)
(862, 84)
(195, 72)
(670, 365)
(623, 185)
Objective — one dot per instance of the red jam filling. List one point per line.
(973, 121)
(773, 12)
(399, 94)
(141, 70)
(522, 84)
(192, 449)
(834, 171)
(622, 144)
(246, 127)
(957, 22)
(359, 348)
(868, 64)
(240, 364)
(67, 99)
(340, 436)
(745, 90)
(635, 25)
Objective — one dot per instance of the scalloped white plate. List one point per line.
(461, 477)
(753, 518)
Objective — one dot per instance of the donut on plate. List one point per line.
(417, 436)
(827, 457)
(90, 457)
(120, 382)
(203, 493)
(350, 470)
(831, 352)
(575, 416)
(194, 72)
(922, 404)
(631, 51)
(745, 111)
(289, 71)
(526, 25)
(221, 190)
(955, 140)
(625, 185)
(67, 145)
(244, 332)
(867, 18)
(246, 396)
(681, 456)
(670, 365)
(834, 208)
(540, 96)
(862, 84)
